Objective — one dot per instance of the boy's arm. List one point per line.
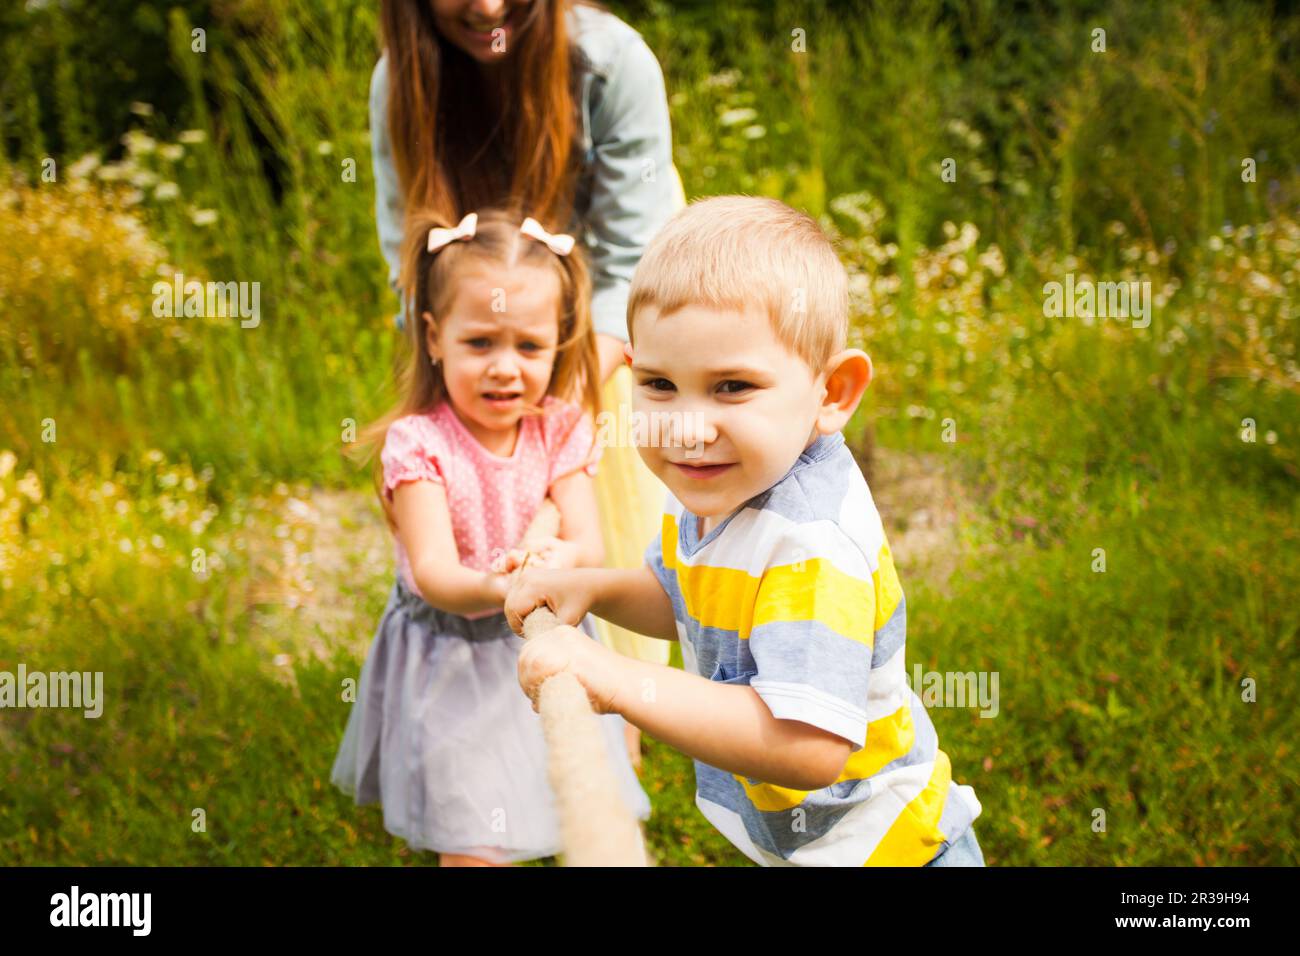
(727, 726)
(424, 529)
(632, 599)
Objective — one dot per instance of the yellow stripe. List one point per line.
(769, 797)
(716, 597)
(719, 597)
(915, 837)
(888, 590)
(888, 739)
(733, 600)
(668, 542)
(816, 590)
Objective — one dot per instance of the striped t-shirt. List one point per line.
(795, 594)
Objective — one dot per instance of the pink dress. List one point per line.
(441, 733)
(491, 499)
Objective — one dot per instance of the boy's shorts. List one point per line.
(965, 852)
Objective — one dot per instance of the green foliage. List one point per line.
(1121, 689)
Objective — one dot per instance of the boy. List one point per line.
(772, 568)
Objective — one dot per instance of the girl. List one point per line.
(500, 335)
(557, 107)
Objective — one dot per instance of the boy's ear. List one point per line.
(847, 377)
(627, 353)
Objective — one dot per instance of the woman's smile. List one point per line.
(482, 33)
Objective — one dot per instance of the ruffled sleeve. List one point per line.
(413, 449)
(570, 440)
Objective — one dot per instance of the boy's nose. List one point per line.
(698, 429)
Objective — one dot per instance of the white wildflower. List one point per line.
(139, 143)
(29, 486)
(726, 79)
(84, 166)
(737, 116)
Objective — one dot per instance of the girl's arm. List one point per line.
(575, 497)
(424, 529)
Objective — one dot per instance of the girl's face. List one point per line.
(496, 345)
(485, 29)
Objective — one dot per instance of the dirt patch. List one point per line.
(924, 510)
(321, 563)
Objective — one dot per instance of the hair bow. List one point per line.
(464, 230)
(560, 243)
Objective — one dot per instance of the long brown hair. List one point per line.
(454, 151)
(429, 284)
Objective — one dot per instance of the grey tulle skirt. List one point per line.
(442, 736)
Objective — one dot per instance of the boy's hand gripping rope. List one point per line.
(596, 826)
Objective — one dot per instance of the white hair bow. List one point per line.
(560, 243)
(464, 230)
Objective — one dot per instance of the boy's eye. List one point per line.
(732, 386)
(658, 384)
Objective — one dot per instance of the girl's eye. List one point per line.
(733, 386)
(479, 343)
(529, 346)
(658, 385)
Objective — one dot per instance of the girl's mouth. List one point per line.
(501, 399)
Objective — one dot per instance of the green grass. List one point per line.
(1119, 690)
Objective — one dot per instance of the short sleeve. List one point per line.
(813, 630)
(412, 452)
(570, 441)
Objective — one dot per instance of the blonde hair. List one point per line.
(429, 281)
(732, 252)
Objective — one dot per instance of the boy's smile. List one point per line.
(742, 406)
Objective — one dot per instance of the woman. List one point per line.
(557, 108)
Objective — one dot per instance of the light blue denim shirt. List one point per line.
(627, 187)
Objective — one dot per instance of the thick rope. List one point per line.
(596, 826)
